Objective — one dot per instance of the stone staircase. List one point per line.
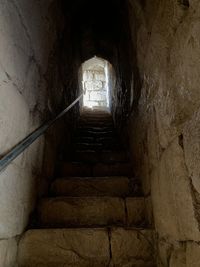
(95, 214)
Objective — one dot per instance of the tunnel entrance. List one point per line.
(96, 83)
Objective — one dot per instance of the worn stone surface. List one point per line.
(192, 254)
(171, 179)
(149, 212)
(81, 211)
(75, 169)
(72, 247)
(102, 186)
(23, 61)
(22, 88)
(28, 35)
(17, 200)
(164, 130)
(8, 252)
(178, 257)
(135, 211)
(115, 169)
(95, 157)
(132, 248)
(191, 145)
(164, 252)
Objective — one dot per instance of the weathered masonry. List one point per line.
(114, 182)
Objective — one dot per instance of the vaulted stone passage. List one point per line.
(95, 210)
(118, 188)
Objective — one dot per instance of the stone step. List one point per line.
(87, 248)
(94, 133)
(76, 212)
(100, 169)
(64, 247)
(102, 131)
(96, 116)
(75, 169)
(100, 118)
(115, 169)
(91, 211)
(97, 140)
(96, 147)
(95, 113)
(101, 156)
(132, 247)
(95, 129)
(92, 186)
(96, 121)
(97, 124)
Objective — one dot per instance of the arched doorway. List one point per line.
(96, 82)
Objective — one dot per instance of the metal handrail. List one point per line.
(26, 142)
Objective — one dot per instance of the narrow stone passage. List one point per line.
(95, 212)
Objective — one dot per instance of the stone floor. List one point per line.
(95, 213)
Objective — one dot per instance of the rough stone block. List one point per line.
(103, 186)
(16, 197)
(88, 76)
(191, 145)
(86, 211)
(132, 248)
(192, 254)
(93, 85)
(8, 252)
(67, 247)
(94, 157)
(24, 52)
(174, 212)
(100, 76)
(135, 211)
(178, 258)
(98, 96)
(149, 211)
(164, 250)
(117, 169)
(75, 169)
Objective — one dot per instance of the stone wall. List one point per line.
(94, 88)
(28, 35)
(164, 130)
(94, 83)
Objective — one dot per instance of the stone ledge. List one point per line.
(67, 247)
(87, 247)
(85, 211)
(91, 186)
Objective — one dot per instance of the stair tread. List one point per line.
(116, 169)
(74, 168)
(99, 156)
(86, 247)
(91, 211)
(95, 186)
(95, 214)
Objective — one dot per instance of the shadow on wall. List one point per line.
(96, 82)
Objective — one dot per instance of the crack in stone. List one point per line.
(71, 251)
(110, 247)
(126, 211)
(196, 202)
(33, 56)
(194, 194)
(22, 23)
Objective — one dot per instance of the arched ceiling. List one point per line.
(98, 26)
